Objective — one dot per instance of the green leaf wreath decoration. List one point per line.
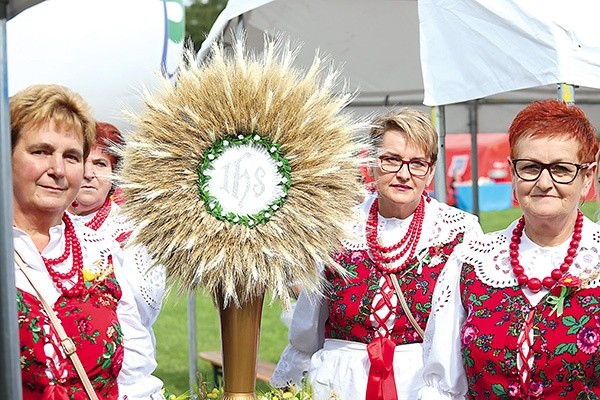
(213, 205)
(238, 96)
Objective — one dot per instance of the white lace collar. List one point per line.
(113, 226)
(490, 255)
(441, 224)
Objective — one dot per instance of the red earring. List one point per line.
(75, 204)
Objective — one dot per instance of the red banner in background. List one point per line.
(492, 164)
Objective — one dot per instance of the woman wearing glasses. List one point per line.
(516, 314)
(364, 338)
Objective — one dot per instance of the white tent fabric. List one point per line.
(106, 50)
(377, 43)
(490, 46)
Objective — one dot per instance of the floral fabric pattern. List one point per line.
(350, 299)
(90, 319)
(566, 360)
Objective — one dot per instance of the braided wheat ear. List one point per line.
(232, 94)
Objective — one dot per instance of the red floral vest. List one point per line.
(91, 321)
(350, 300)
(566, 356)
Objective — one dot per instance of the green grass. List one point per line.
(171, 326)
(172, 338)
(495, 220)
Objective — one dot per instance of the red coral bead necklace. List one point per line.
(534, 284)
(101, 215)
(73, 246)
(407, 244)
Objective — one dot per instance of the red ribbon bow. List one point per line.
(381, 384)
(55, 392)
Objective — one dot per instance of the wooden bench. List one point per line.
(264, 369)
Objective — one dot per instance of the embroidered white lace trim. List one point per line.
(490, 255)
(441, 224)
(149, 281)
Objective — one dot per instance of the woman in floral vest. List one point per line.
(76, 271)
(95, 207)
(364, 339)
(516, 314)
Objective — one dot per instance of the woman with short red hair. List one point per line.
(96, 209)
(515, 314)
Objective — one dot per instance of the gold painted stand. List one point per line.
(240, 333)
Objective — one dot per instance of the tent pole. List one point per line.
(473, 129)
(10, 378)
(239, 27)
(438, 117)
(192, 345)
(566, 93)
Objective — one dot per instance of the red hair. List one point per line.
(106, 134)
(555, 119)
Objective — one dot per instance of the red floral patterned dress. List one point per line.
(334, 340)
(351, 299)
(566, 357)
(90, 319)
(489, 338)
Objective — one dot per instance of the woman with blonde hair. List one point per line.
(363, 340)
(77, 273)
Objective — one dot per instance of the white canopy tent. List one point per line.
(382, 45)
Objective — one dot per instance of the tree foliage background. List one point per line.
(199, 18)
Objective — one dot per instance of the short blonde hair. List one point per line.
(415, 124)
(40, 104)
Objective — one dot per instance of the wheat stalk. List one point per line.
(226, 95)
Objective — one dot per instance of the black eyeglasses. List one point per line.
(418, 168)
(560, 172)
